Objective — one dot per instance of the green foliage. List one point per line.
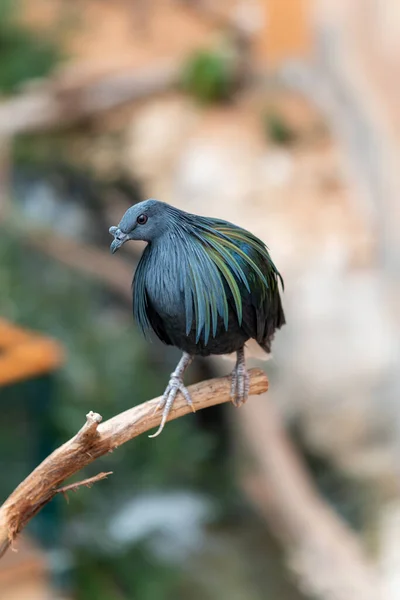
(277, 130)
(23, 55)
(116, 577)
(208, 76)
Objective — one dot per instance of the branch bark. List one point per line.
(96, 439)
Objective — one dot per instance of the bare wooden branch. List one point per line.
(60, 103)
(96, 439)
(325, 554)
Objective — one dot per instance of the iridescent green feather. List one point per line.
(203, 281)
(214, 250)
(230, 280)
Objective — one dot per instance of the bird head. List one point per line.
(146, 221)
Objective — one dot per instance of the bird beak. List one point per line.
(119, 239)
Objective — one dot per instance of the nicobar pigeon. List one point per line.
(203, 285)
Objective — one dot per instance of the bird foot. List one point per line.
(174, 386)
(240, 385)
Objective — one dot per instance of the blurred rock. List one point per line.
(173, 521)
(156, 135)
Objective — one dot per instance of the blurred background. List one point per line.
(283, 117)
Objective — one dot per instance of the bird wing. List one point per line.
(219, 268)
(251, 278)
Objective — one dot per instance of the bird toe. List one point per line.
(174, 386)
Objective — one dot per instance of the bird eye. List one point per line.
(142, 219)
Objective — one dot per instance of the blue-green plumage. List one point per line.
(207, 286)
(203, 285)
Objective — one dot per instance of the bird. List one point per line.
(202, 285)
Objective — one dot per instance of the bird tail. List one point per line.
(274, 322)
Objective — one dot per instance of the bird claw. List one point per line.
(174, 386)
(240, 386)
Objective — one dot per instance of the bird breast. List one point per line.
(162, 284)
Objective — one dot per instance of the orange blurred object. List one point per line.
(24, 354)
(287, 31)
(24, 573)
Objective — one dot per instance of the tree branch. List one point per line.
(326, 555)
(95, 440)
(74, 487)
(62, 102)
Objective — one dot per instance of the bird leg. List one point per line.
(240, 380)
(174, 386)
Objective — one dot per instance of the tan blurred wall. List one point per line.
(112, 36)
(24, 573)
